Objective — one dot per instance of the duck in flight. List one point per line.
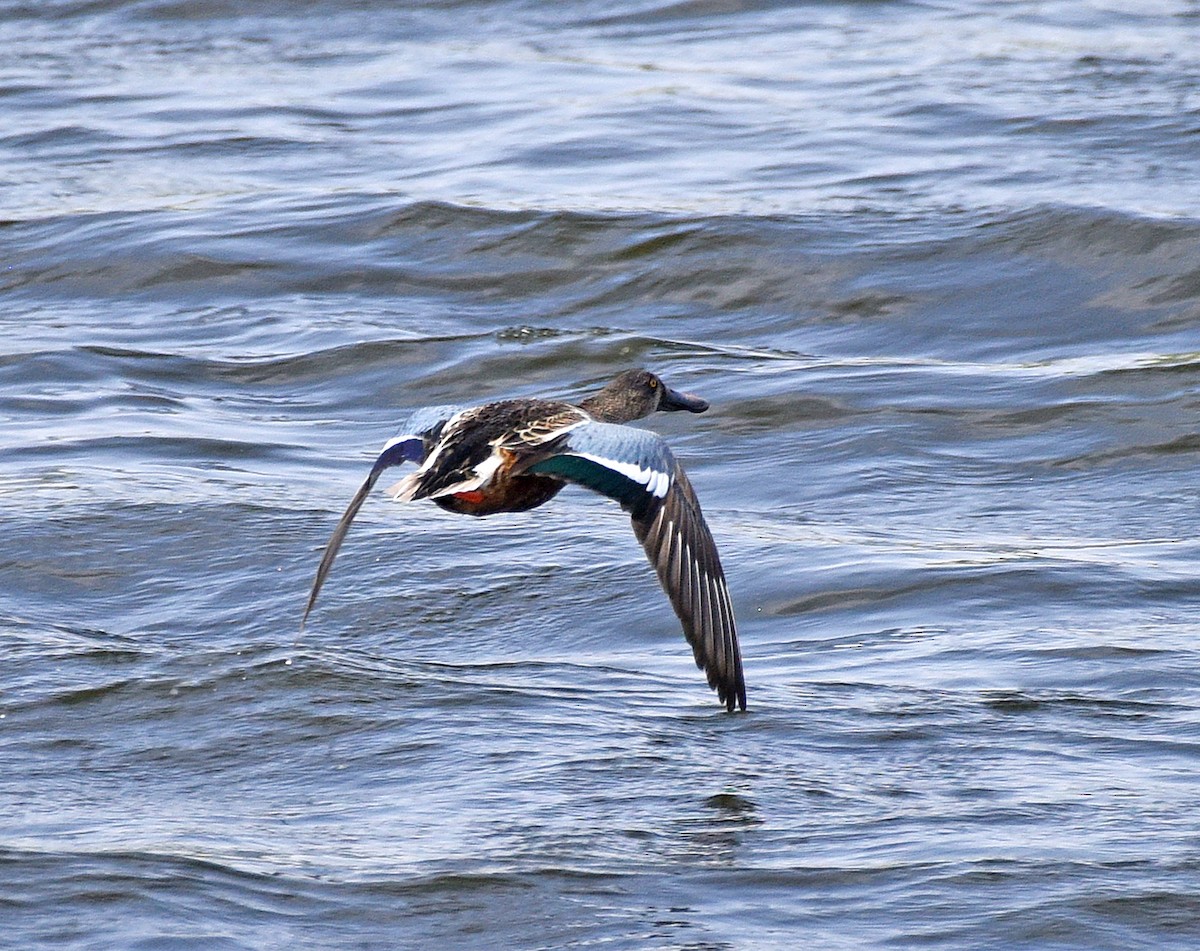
(515, 455)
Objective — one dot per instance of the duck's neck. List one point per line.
(608, 407)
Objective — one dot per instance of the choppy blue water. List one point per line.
(935, 265)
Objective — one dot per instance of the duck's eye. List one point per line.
(653, 384)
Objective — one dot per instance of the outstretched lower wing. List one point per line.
(636, 468)
(417, 435)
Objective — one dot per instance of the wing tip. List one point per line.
(732, 694)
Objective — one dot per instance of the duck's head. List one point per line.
(635, 394)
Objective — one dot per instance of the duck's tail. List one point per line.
(406, 489)
(429, 483)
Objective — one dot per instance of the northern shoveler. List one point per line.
(517, 454)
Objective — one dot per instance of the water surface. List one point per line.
(934, 265)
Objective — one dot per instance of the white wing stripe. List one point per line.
(655, 482)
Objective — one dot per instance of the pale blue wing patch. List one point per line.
(636, 468)
(414, 434)
(633, 466)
